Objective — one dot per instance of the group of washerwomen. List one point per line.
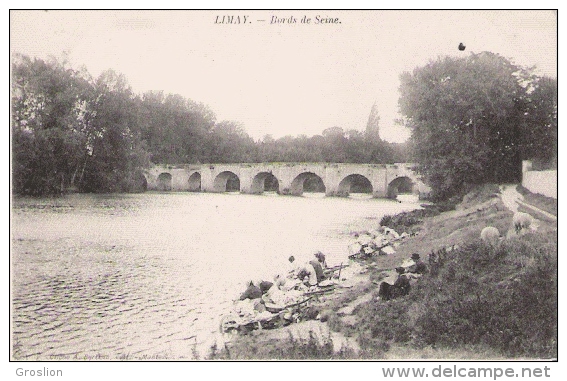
(407, 273)
(286, 288)
(375, 242)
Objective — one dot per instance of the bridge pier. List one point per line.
(207, 179)
(246, 179)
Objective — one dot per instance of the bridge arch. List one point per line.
(226, 181)
(400, 185)
(313, 182)
(355, 183)
(194, 182)
(164, 181)
(263, 181)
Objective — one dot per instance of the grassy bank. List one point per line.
(504, 299)
(478, 302)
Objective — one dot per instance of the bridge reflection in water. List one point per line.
(381, 180)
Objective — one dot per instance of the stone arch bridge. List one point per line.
(384, 180)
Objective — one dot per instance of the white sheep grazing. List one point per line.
(490, 235)
(521, 221)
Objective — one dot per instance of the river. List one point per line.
(147, 276)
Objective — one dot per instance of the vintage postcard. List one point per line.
(192, 185)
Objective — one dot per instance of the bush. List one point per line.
(389, 324)
(479, 194)
(247, 348)
(407, 221)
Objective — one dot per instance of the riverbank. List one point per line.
(480, 304)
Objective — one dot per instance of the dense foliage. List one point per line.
(408, 222)
(74, 132)
(70, 131)
(474, 119)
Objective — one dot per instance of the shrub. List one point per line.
(407, 221)
(250, 347)
(479, 194)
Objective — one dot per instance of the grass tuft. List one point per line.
(252, 347)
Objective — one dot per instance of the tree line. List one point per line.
(71, 131)
(473, 119)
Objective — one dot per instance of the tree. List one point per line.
(373, 124)
(334, 145)
(229, 143)
(48, 132)
(465, 116)
(115, 150)
(359, 148)
(175, 129)
(72, 132)
(539, 127)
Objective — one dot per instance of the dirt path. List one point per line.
(510, 196)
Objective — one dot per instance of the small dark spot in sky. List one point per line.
(462, 47)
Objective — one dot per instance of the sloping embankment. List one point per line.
(482, 303)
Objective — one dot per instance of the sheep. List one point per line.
(490, 235)
(521, 221)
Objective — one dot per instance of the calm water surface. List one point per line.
(149, 275)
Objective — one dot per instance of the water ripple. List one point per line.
(124, 276)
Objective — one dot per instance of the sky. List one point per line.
(283, 78)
